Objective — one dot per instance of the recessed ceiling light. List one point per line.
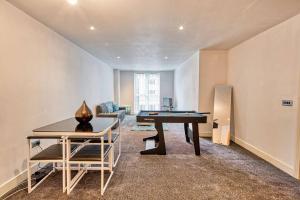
(180, 27)
(92, 28)
(118, 57)
(72, 2)
(166, 57)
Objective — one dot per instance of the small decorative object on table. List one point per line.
(153, 113)
(84, 114)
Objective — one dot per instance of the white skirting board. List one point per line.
(205, 134)
(15, 181)
(267, 157)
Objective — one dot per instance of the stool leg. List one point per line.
(68, 168)
(64, 165)
(102, 166)
(110, 156)
(29, 167)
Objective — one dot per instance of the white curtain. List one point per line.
(146, 91)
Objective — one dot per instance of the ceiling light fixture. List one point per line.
(118, 57)
(180, 27)
(166, 58)
(72, 2)
(92, 28)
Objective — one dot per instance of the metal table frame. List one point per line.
(64, 138)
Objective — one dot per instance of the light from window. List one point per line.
(146, 91)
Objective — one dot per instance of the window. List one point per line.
(146, 91)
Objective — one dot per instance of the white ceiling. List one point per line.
(143, 32)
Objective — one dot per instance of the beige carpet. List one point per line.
(219, 173)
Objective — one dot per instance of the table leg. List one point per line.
(196, 139)
(161, 147)
(155, 137)
(186, 131)
(161, 143)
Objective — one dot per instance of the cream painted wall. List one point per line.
(43, 78)
(263, 71)
(127, 86)
(186, 82)
(212, 72)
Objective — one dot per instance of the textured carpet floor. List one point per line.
(219, 173)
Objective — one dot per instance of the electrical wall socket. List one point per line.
(35, 143)
(287, 103)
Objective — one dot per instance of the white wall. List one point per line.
(43, 78)
(127, 86)
(166, 85)
(195, 80)
(186, 82)
(263, 71)
(212, 72)
(117, 86)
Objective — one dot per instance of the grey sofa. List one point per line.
(108, 109)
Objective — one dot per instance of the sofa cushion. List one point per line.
(115, 107)
(109, 106)
(103, 108)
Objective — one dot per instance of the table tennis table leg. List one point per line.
(161, 147)
(196, 139)
(186, 131)
(155, 137)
